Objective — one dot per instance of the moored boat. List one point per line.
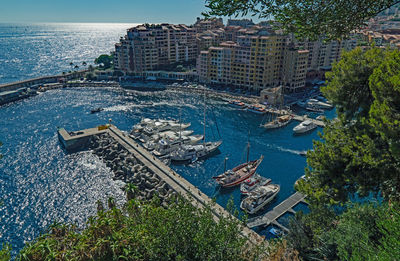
(165, 146)
(256, 109)
(304, 127)
(238, 174)
(194, 152)
(252, 183)
(279, 122)
(259, 198)
(237, 104)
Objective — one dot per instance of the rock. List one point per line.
(148, 185)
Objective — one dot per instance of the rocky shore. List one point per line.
(127, 168)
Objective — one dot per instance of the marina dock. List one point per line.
(272, 216)
(165, 173)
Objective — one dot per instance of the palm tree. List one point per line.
(71, 64)
(76, 67)
(90, 68)
(84, 64)
(130, 190)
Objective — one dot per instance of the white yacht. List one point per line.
(194, 152)
(165, 146)
(259, 197)
(305, 126)
(252, 183)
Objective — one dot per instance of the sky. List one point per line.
(101, 11)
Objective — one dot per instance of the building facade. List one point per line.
(149, 47)
(258, 60)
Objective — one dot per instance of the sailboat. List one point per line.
(237, 175)
(279, 121)
(194, 152)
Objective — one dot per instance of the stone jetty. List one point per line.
(127, 168)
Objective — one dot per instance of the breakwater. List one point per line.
(129, 169)
(35, 82)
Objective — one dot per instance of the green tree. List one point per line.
(145, 231)
(130, 190)
(358, 152)
(105, 61)
(334, 18)
(5, 252)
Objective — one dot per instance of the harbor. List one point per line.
(71, 108)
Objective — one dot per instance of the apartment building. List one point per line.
(322, 54)
(147, 47)
(210, 38)
(294, 70)
(240, 22)
(254, 62)
(203, 25)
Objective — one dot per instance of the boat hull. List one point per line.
(236, 170)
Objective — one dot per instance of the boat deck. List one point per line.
(319, 123)
(272, 216)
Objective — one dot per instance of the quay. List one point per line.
(272, 216)
(80, 139)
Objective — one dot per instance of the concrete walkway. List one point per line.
(271, 216)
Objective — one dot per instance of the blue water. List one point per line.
(40, 183)
(32, 50)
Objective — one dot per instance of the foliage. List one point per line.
(362, 232)
(334, 18)
(5, 252)
(90, 76)
(360, 151)
(105, 61)
(143, 231)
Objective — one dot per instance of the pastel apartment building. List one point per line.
(258, 60)
(147, 47)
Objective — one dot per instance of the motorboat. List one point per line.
(279, 122)
(259, 198)
(256, 108)
(141, 125)
(252, 183)
(237, 175)
(96, 110)
(165, 146)
(194, 152)
(314, 108)
(314, 104)
(304, 126)
(237, 104)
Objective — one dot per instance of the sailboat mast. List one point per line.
(204, 120)
(248, 151)
(180, 123)
(226, 159)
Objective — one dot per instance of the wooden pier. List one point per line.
(272, 216)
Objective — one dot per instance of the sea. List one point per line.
(41, 184)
